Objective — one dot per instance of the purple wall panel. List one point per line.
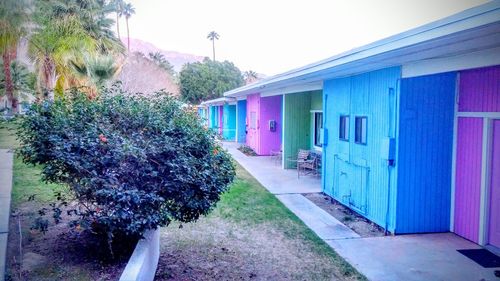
(468, 177)
(253, 104)
(480, 90)
(270, 109)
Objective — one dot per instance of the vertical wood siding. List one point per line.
(356, 174)
(480, 90)
(213, 117)
(270, 109)
(220, 122)
(297, 120)
(229, 125)
(425, 153)
(242, 115)
(468, 177)
(316, 100)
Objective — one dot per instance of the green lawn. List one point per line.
(8, 134)
(27, 180)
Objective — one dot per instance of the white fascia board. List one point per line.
(318, 85)
(466, 20)
(219, 101)
(467, 61)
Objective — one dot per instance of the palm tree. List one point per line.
(128, 11)
(250, 76)
(13, 16)
(63, 31)
(118, 5)
(96, 71)
(21, 80)
(212, 36)
(50, 48)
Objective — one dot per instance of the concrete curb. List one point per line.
(6, 164)
(144, 260)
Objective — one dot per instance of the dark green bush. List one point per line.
(132, 163)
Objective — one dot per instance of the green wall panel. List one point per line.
(317, 100)
(297, 120)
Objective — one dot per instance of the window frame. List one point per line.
(344, 134)
(253, 121)
(315, 131)
(361, 141)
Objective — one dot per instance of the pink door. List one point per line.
(494, 216)
(253, 112)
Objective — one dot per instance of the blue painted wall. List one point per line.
(229, 120)
(212, 110)
(356, 174)
(425, 153)
(241, 122)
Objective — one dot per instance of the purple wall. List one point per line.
(270, 109)
(480, 90)
(260, 138)
(468, 177)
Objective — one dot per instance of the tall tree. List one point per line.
(128, 11)
(13, 16)
(118, 6)
(208, 79)
(212, 36)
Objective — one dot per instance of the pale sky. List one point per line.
(273, 36)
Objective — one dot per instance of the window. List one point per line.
(253, 120)
(360, 130)
(318, 129)
(344, 128)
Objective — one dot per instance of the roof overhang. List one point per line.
(219, 101)
(472, 30)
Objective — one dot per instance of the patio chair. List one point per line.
(301, 161)
(277, 155)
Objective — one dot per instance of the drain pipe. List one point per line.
(392, 154)
(389, 164)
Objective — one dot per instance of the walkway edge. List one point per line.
(6, 165)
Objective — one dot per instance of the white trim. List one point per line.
(483, 207)
(454, 154)
(478, 59)
(316, 110)
(479, 114)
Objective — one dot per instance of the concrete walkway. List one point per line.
(272, 176)
(390, 258)
(6, 163)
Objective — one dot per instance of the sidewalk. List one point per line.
(6, 162)
(391, 258)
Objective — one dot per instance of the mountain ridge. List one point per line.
(177, 59)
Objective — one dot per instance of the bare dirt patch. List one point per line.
(59, 254)
(215, 249)
(351, 219)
